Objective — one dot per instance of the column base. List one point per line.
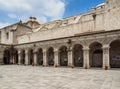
(86, 67)
(71, 65)
(56, 65)
(19, 63)
(106, 67)
(44, 65)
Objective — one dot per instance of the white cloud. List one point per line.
(12, 15)
(3, 24)
(42, 9)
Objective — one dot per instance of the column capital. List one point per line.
(26, 51)
(44, 50)
(86, 48)
(35, 51)
(56, 50)
(19, 51)
(105, 47)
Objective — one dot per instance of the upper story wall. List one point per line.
(7, 34)
(88, 22)
(112, 14)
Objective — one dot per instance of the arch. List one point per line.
(6, 58)
(115, 54)
(23, 57)
(50, 56)
(78, 55)
(40, 56)
(31, 56)
(96, 54)
(112, 40)
(63, 56)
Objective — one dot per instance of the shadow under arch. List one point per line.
(40, 56)
(6, 58)
(77, 53)
(115, 54)
(96, 54)
(63, 56)
(50, 56)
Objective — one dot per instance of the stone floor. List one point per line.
(29, 77)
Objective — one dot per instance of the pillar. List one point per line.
(35, 57)
(56, 58)
(26, 57)
(106, 59)
(13, 59)
(70, 58)
(86, 63)
(2, 57)
(45, 63)
(19, 57)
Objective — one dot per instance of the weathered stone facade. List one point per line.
(87, 40)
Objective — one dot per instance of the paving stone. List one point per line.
(37, 77)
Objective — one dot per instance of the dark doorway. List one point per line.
(31, 57)
(63, 56)
(23, 57)
(96, 55)
(78, 55)
(115, 54)
(50, 56)
(96, 58)
(40, 56)
(16, 57)
(6, 57)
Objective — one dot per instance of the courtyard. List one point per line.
(37, 77)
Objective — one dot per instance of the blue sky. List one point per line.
(75, 7)
(11, 11)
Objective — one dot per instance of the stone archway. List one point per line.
(63, 56)
(40, 56)
(31, 57)
(23, 57)
(96, 55)
(6, 58)
(78, 55)
(50, 56)
(115, 54)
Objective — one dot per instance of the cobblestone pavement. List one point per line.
(31, 77)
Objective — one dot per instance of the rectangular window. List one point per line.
(7, 35)
(0, 36)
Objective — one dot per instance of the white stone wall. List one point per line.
(8, 30)
(66, 28)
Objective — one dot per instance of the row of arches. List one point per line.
(95, 55)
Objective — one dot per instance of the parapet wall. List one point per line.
(88, 22)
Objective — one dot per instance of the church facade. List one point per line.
(87, 40)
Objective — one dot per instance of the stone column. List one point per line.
(70, 58)
(2, 57)
(86, 64)
(26, 57)
(45, 63)
(11, 59)
(106, 62)
(14, 59)
(35, 57)
(56, 58)
(19, 57)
